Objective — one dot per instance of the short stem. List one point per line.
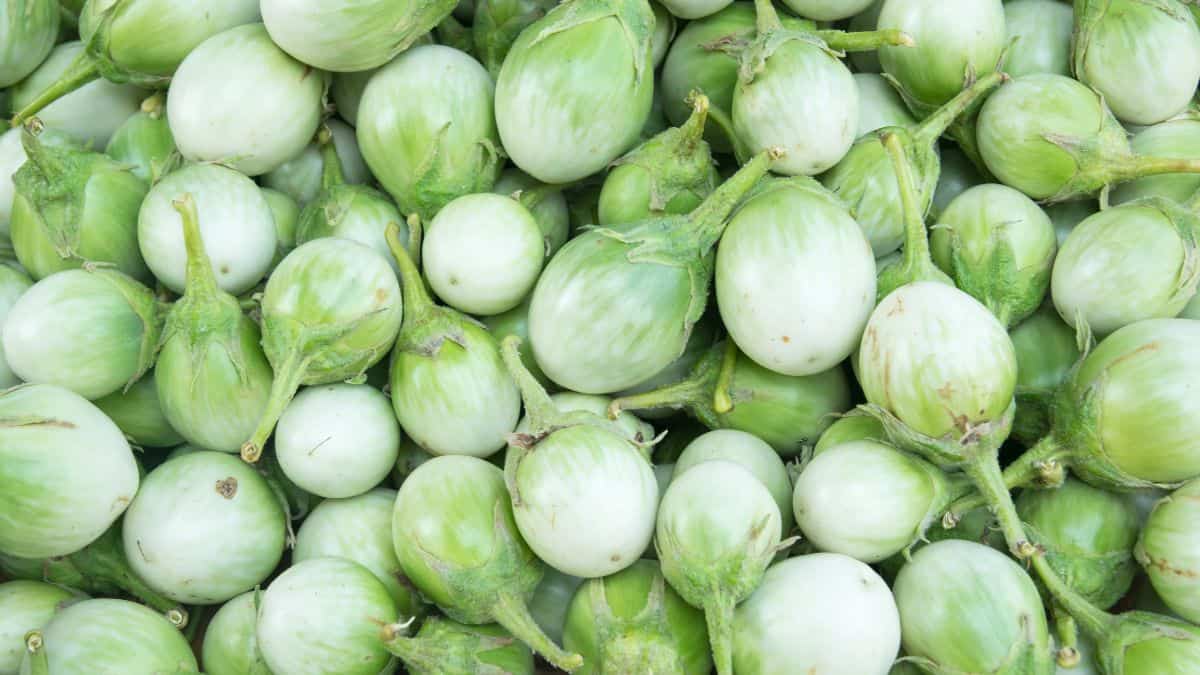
(415, 236)
(693, 128)
(153, 105)
(865, 41)
(718, 614)
(916, 237)
(416, 299)
(331, 164)
(539, 407)
(1093, 620)
(82, 70)
(932, 127)
(709, 219)
(413, 651)
(35, 644)
(288, 376)
(1041, 464)
(984, 471)
(1138, 166)
(722, 394)
(722, 120)
(767, 18)
(1067, 634)
(200, 277)
(694, 393)
(104, 560)
(510, 611)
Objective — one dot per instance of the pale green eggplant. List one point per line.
(968, 608)
(482, 253)
(213, 379)
(850, 428)
(204, 528)
(230, 640)
(346, 209)
(516, 322)
(1167, 549)
(331, 310)
(92, 113)
(1055, 140)
(591, 56)
(727, 390)
(545, 202)
(1040, 31)
(1046, 349)
(795, 278)
(870, 501)
(427, 131)
(957, 175)
(116, 635)
(443, 645)
(285, 213)
(879, 104)
(74, 207)
(498, 23)
(997, 245)
(1128, 263)
(718, 529)
(633, 622)
(29, 29)
(865, 178)
(139, 414)
(302, 177)
(337, 440)
(454, 533)
(1067, 215)
(350, 35)
(671, 173)
(583, 490)
(26, 606)
(93, 331)
(144, 142)
(1120, 419)
(1115, 54)
(449, 387)
(13, 284)
(828, 10)
(645, 284)
(360, 529)
(325, 615)
(254, 121)
(805, 613)
(232, 216)
(138, 41)
(1177, 138)
(749, 452)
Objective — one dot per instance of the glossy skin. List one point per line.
(950, 40)
(426, 128)
(113, 637)
(795, 280)
(805, 101)
(1123, 265)
(337, 440)
(65, 485)
(807, 610)
(937, 359)
(1043, 31)
(25, 606)
(139, 414)
(359, 529)
(1119, 60)
(349, 35)
(204, 528)
(570, 102)
(632, 621)
(864, 499)
(29, 30)
(482, 253)
(230, 640)
(550, 212)
(1168, 549)
(12, 285)
(879, 105)
(752, 454)
(968, 607)
(324, 616)
(300, 176)
(145, 144)
(1178, 138)
(254, 122)
(235, 223)
(12, 156)
(90, 114)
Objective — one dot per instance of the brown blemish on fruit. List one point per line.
(227, 487)
(381, 295)
(786, 339)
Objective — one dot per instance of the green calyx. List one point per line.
(915, 263)
(496, 26)
(687, 241)
(498, 590)
(147, 307)
(635, 17)
(205, 317)
(54, 180)
(443, 646)
(674, 164)
(705, 393)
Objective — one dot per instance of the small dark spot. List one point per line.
(616, 557)
(786, 339)
(381, 295)
(453, 281)
(227, 487)
(224, 269)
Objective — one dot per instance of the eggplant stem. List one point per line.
(766, 18)
(35, 644)
(538, 405)
(722, 396)
(1044, 464)
(200, 279)
(331, 164)
(288, 376)
(412, 287)
(932, 127)
(865, 41)
(1095, 622)
(82, 70)
(982, 467)
(718, 614)
(511, 612)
